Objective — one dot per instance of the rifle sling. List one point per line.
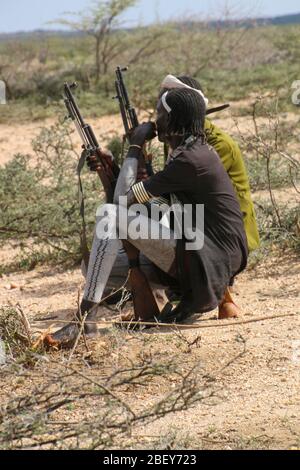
(83, 237)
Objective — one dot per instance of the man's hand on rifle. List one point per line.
(142, 175)
(99, 161)
(142, 134)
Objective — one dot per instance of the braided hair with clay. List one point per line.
(187, 114)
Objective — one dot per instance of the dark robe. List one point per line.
(196, 175)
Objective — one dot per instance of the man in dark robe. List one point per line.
(194, 176)
(232, 160)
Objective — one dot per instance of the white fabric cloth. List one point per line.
(164, 102)
(105, 249)
(103, 256)
(170, 82)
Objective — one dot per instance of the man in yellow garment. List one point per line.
(232, 159)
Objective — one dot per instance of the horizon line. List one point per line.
(212, 21)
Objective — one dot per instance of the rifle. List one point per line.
(145, 306)
(109, 172)
(143, 299)
(128, 112)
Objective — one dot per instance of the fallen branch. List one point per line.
(186, 326)
(81, 329)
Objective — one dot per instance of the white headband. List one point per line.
(164, 102)
(171, 82)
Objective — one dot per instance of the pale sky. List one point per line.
(26, 15)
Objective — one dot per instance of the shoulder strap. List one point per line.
(83, 238)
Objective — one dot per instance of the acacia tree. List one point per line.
(102, 19)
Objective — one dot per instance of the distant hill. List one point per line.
(267, 21)
(39, 33)
(281, 20)
(276, 21)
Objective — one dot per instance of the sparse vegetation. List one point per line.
(39, 418)
(230, 64)
(109, 392)
(39, 202)
(272, 163)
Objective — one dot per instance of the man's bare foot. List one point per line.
(228, 308)
(66, 337)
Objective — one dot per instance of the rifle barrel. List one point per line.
(87, 135)
(128, 112)
(122, 107)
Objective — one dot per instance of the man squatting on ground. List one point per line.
(232, 160)
(193, 175)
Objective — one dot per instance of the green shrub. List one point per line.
(257, 170)
(244, 61)
(286, 233)
(39, 201)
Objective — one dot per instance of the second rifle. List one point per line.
(128, 112)
(109, 171)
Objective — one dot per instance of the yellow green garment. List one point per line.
(233, 162)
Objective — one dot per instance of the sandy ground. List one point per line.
(17, 138)
(258, 405)
(259, 399)
(19, 141)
